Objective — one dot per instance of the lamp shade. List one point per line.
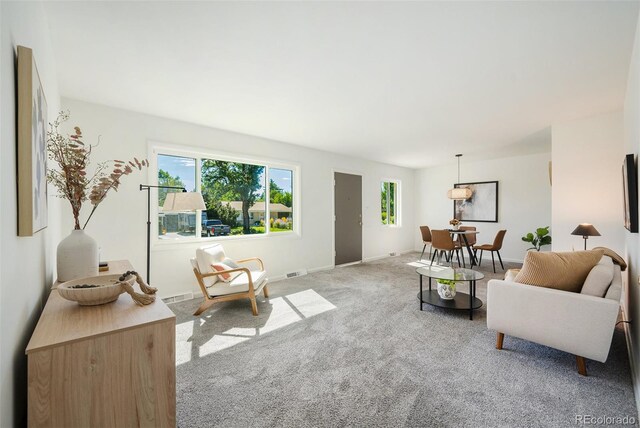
(585, 229)
(459, 193)
(183, 201)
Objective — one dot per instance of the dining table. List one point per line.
(464, 234)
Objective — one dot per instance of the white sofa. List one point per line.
(577, 323)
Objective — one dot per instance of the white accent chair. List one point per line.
(577, 323)
(247, 285)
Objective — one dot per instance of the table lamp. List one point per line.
(586, 230)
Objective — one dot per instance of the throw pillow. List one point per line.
(229, 262)
(599, 279)
(226, 277)
(562, 271)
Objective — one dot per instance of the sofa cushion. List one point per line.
(599, 279)
(205, 257)
(615, 289)
(510, 275)
(562, 271)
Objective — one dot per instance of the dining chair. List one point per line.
(442, 242)
(495, 247)
(426, 239)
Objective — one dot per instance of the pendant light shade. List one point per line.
(459, 193)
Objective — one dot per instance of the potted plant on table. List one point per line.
(446, 288)
(455, 223)
(77, 254)
(539, 239)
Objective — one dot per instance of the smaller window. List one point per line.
(280, 200)
(388, 202)
(176, 171)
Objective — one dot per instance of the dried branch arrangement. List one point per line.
(71, 179)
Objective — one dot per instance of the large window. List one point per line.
(232, 192)
(237, 198)
(388, 202)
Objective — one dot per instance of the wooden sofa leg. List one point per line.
(499, 340)
(203, 307)
(582, 365)
(265, 291)
(254, 306)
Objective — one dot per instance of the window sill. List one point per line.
(168, 244)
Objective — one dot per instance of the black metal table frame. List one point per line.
(472, 293)
(472, 257)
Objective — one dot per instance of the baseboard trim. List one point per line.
(321, 268)
(632, 360)
(384, 256)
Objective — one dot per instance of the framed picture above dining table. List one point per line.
(482, 206)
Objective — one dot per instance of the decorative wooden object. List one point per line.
(107, 291)
(115, 267)
(108, 365)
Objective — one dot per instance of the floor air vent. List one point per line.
(297, 273)
(393, 254)
(178, 298)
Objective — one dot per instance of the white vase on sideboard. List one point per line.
(77, 256)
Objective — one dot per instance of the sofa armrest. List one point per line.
(572, 322)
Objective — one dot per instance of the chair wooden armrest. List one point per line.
(252, 259)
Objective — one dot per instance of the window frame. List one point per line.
(199, 153)
(397, 204)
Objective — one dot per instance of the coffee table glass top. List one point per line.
(457, 274)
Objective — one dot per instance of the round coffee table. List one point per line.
(461, 301)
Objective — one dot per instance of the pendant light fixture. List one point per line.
(459, 194)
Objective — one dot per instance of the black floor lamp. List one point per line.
(174, 202)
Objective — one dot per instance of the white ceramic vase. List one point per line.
(77, 256)
(446, 291)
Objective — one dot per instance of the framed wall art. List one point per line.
(482, 206)
(31, 146)
(630, 188)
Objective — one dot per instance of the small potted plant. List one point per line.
(455, 223)
(540, 238)
(446, 288)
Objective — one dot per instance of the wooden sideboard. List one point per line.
(111, 365)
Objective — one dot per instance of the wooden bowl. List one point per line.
(107, 290)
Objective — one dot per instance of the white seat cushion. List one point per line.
(239, 284)
(205, 257)
(599, 278)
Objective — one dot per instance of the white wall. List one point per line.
(524, 198)
(632, 240)
(119, 225)
(587, 181)
(26, 264)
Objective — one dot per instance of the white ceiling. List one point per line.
(406, 83)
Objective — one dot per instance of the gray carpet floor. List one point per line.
(350, 347)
